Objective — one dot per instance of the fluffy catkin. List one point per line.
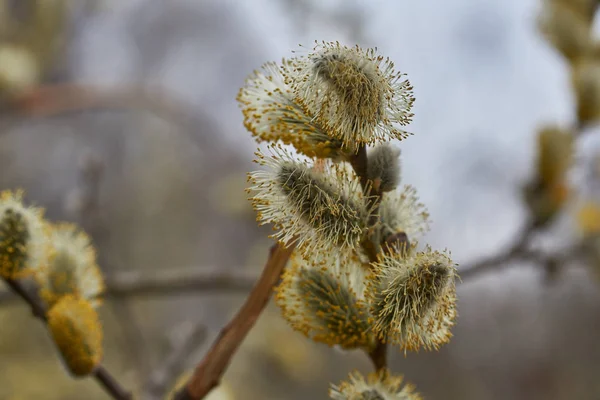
(24, 248)
(318, 208)
(322, 295)
(413, 299)
(354, 93)
(77, 332)
(379, 385)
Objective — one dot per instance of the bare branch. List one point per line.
(517, 250)
(50, 100)
(89, 214)
(210, 370)
(174, 364)
(177, 282)
(170, 282)
(106, 380)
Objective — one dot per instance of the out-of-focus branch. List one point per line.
(177, 282)
(168, 371)
(359, 162)
(104, 378)
(209, 371)
(89, 214)
(50, 100)
(517, 250)
(549, 261)
(170, 282)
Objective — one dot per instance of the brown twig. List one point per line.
(101, 374)
(379, 356)
(210, 370)
(359, 163)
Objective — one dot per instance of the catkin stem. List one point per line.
(359, 163)
(379, 356)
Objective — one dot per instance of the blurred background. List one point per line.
(121, 116)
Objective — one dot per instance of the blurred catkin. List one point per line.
(77, 332)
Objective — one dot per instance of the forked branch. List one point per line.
(209, 371)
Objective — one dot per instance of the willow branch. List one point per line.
(169, 282)
(209, 371)
(101, 374)
(55, 99)
(173, 365)
(177, 282)
(517, 250)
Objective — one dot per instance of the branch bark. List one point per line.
(209, 371)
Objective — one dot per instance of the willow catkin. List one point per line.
(353, 92)
(413, 299)
(316, 208)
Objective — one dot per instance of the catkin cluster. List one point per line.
(568, 27)
(358, 278)
(62, 261)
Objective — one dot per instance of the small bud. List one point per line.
(555, 154)
(271, 114)
(23, 233)
(413, 299)
(354, 93)
(383, 168)
(77, 332)
(396, 243)
(585, 78)
(549, 191)
(585, 9)
(319, 208)
(72, 267)
(322, 296)
(588, 219)
(380, 385)
(401, 215)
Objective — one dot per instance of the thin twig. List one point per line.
(173, 365)
(167, 282)
(360, 162)
(101, 374)
(517, 250)
(90, 217)
(209, 371)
